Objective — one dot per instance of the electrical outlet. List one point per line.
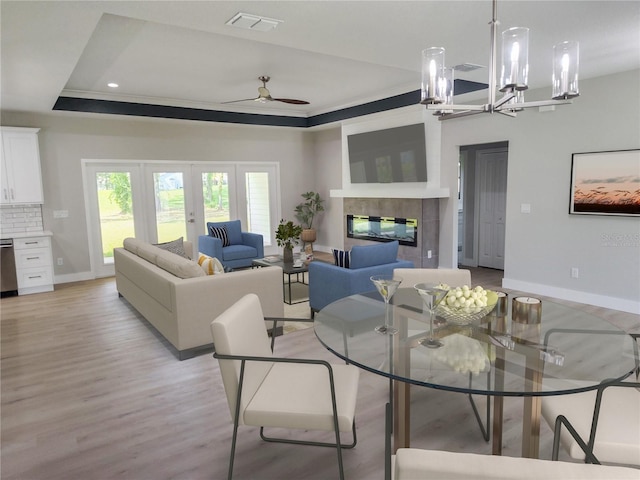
(574, 272)
(428, 253)
(60, 261)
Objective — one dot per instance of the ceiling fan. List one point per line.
(264, 95)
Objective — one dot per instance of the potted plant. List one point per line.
(306, 212)
(287, 236)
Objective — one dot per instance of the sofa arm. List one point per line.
(328, 283)
(211, 246)
(254, 240)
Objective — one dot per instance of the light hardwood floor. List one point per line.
(90, 391)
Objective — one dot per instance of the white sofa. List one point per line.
(175, 295)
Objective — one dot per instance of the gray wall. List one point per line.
(327, 174)
(543, 246)
(66, 139)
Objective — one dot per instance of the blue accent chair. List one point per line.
(244, 246)
(328, 283)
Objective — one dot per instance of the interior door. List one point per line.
(491, 175)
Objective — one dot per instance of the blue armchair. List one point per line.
(242, 249)
(328, 283)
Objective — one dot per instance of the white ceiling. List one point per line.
(333, 54)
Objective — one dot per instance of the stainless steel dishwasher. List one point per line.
(8, 279)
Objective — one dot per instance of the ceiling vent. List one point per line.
(253, 22)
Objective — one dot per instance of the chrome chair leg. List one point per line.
(486, 434)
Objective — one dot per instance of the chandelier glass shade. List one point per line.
(433, 75)
(437, 79)
(515, 59)
(565, 70)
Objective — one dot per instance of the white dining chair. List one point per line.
(600, 425)
(418, 464)
(454, 277)
(268, 391)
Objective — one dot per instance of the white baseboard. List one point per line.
(73, 277)
(604, 301)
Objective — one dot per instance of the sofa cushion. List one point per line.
(145, 250)
(131, 244)
(175, 246)
(178, 266)
(210, 265)
(175, 264)
(370, 255)
(238, 252)
(234, 230)
(341, 258)
(221, 233)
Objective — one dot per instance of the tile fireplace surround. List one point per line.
(426, 210)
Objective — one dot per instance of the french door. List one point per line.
(161, 201)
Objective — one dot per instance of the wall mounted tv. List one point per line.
(388, 156)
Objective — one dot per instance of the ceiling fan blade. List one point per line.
(265, 96)
(243, 100)
(292, 101)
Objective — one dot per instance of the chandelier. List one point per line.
(437, 80)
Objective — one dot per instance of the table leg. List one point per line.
(401, 415)
(284, 288)
(498, 404)
(532, 410)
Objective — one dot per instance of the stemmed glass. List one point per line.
(431, 295)
(387, 286)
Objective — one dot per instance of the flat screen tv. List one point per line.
(393, 155)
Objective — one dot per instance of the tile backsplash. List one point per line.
(20, 219)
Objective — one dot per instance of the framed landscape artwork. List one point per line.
(605, 183)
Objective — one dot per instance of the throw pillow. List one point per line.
(175, 246)
(221, 233)
(341, 258)
(210, 265)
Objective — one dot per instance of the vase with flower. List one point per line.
(287, 235)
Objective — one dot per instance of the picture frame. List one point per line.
(605, 183)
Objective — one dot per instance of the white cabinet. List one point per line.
(34, 264)
(20, 166)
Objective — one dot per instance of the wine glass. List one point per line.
(387, 286)
(431, 295)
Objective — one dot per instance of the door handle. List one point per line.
(191, 220)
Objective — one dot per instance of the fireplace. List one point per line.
(383, 229)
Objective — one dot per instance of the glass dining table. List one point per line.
(566, 351)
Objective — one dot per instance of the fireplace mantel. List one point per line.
(390, 191)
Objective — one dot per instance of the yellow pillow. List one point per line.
(210, 265)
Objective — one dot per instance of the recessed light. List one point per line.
(112, 85)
